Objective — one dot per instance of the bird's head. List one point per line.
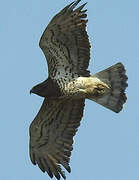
(40, 89)
(47, 88)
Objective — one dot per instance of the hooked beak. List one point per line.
(31, 91)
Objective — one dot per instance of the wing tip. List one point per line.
(75, 3)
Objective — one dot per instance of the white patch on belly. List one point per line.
(87, 82)
(85, 87)
(81, 86)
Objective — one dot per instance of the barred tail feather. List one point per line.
(116, 79)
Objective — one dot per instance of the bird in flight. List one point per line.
(66, 47)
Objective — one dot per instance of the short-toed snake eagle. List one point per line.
(66, 47)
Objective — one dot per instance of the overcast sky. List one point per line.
(107, 144)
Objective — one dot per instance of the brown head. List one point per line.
(47, 88)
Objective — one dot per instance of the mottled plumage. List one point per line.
(66, 47)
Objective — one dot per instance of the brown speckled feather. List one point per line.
(51, 134)
(65, 43)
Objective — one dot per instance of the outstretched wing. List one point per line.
(65, 43)
(51, 135)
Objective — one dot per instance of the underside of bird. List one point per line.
(66, 46)
(106, 88)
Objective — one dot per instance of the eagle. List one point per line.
(66, 46)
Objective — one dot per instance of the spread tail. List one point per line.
(116, 79)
